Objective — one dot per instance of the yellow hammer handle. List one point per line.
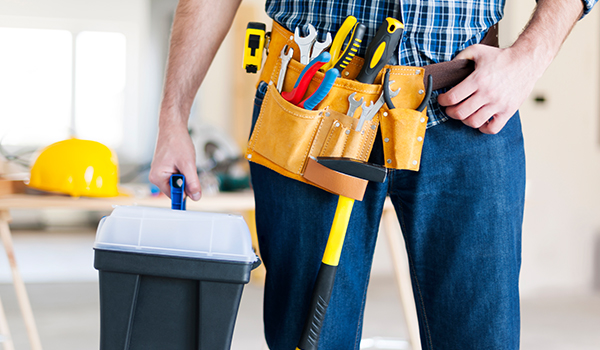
(333, 250)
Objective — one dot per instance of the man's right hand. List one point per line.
(175, 154)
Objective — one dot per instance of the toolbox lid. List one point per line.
(176, 233)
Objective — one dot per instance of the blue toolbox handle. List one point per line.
(177, 182)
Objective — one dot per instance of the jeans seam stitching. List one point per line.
(411, 265)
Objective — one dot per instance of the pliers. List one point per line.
(388, 99)
(295, 96)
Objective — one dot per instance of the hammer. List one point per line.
(344, 167)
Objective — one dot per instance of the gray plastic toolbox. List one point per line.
(170, 279)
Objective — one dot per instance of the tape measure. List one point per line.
(253, 46)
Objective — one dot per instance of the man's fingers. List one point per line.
(494, 125)
(468, 54)
(480, 118)
(467, 108)
(161, 180)
(192, 183)
(458, 93)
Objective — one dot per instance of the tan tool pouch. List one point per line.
(285, 136)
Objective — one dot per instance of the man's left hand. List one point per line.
(490, 96)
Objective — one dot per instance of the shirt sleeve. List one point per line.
(587, 6)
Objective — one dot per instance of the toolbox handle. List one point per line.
(177, 182)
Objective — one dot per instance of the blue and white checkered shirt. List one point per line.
(434, 30)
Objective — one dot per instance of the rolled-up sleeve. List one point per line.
(587, 6)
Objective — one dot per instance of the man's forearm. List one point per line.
(199, 27)
(549, 26)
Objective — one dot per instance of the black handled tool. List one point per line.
(388, 98)
(380, 49)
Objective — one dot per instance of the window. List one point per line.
(35, 85)
(100, 86)
(52, 86)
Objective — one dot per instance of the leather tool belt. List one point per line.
(287, 138)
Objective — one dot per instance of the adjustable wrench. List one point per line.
(318, 46)
(285, 60)
(353, 104)
(305, 43)
(369, 112)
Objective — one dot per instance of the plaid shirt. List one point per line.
(434, 30)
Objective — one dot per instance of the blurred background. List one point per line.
(94, 69)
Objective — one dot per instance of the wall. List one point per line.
(562, 211)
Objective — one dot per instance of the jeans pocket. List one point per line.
(258, 100)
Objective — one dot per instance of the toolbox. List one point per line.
(170, 279)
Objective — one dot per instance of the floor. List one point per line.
(64, 295)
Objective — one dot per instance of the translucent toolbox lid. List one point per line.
(176, 233)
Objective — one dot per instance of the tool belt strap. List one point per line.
(445, 74)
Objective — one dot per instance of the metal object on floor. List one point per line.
(384, 343)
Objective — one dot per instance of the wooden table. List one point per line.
(242, 203)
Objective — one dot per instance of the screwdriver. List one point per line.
(380, 49)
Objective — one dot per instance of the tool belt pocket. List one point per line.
(285, 135)
(403, 132)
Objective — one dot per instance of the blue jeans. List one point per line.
(461, 217)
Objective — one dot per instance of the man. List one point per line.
(461, 214)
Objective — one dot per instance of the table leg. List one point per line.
(6, 340)
(23, 299)
(402, 271)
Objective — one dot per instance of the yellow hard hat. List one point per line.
(76, 167)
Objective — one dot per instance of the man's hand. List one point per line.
(502, 80)
(175, 154)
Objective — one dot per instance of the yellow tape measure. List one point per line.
(253, 46)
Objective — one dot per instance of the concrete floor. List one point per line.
(64, 296)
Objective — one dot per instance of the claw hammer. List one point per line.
(379, 52)
(326, 277)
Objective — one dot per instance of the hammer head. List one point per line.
(354, 167)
